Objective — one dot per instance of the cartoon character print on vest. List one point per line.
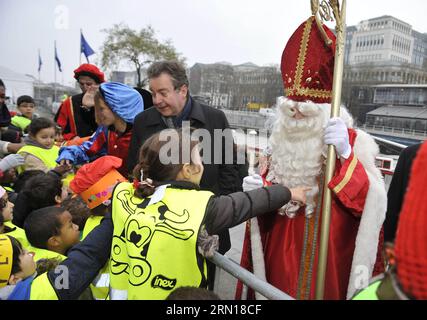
(138, 236)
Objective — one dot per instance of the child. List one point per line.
(51, 228)
(116, 106)
(40, 151)
(6, 216)
(160, 221)
(79, 211)
(7, 168)
(59, 138)
(23, 119)
(18, 280)
(95, 182)
(39, 191)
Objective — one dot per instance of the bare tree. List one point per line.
(138, 47)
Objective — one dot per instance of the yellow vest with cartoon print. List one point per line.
(100, 286)
(21, 122)
(48, 156)
(154, 247)
(41, 289)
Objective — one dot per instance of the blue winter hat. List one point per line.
(123, 100)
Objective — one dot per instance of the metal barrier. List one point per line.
(264, 288)
(399, 145)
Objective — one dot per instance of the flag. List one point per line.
(40, 62)
(57, 59)
(85, 47)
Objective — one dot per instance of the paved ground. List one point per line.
(225, 284)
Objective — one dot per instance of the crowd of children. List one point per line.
(70, 212)
(84, 223)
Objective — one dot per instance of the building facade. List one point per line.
(240, 87)
(382, 50)
(399, 107)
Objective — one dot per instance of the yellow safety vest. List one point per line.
(370, 293)
(154, 247)
(48, 156)
(45, 254)
(18, 233)
(91, 223)
(41, 289)
(20, 122)
(101, 284)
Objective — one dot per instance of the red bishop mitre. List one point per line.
(411, 236)
(308, 64)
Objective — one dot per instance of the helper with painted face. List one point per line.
(116, 106)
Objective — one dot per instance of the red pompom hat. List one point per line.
(411, 236)
(95, 181)
(308, 64)
(89, 70)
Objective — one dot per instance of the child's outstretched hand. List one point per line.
(63, 168)
(299, 194)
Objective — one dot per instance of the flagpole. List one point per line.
(330, 164)
(38, 69)
(80, 49)
(54, 68)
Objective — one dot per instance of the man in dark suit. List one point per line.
(397, 191)
(172, 105)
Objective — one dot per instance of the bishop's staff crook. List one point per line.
(322, 11)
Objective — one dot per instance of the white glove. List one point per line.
(11, 161)
(336, 133)
(252, 182)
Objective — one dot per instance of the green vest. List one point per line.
(41, 289)
(48, 156)
(154, 247)
(369, 293)
(20, 122)
(18, 233)
(99, 286)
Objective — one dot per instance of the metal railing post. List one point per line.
(264, 288)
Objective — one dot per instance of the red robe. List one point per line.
(73, 121)
(291, 245)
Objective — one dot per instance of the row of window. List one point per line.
(368, 42)
(401, 45)
(397, 123)
(380, 76)
(368, 58)
(398, 59)
(408, 96)
(378, 24)
(401, 27)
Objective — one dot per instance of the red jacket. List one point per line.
(74, 120)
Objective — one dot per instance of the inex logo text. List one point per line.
(160, 281)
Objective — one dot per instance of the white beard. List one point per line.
(297, 147)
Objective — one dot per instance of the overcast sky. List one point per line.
(204, 31)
